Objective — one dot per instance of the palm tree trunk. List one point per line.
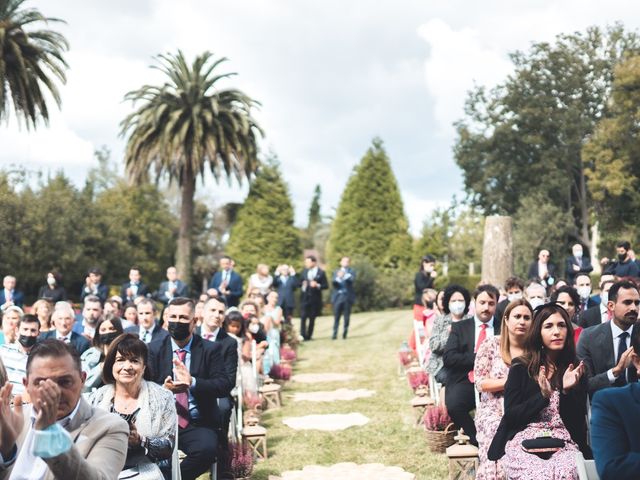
(183, 254)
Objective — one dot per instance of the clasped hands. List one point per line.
(182, 380)
(570, 379)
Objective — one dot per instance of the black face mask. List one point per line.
(179, 330)
(27, 341)
(429, 304)
(107, 338)
(622, 256)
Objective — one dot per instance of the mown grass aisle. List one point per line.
(370, 354)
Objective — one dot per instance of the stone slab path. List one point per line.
(333, 396)
(347, 471)
(329, 422)
(321, 377)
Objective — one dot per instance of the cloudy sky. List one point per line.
(330, 75)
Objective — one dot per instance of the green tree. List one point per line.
(188, 125)
(264, 231)
(524, 138)
(315, 217)
(30, 63)
(370, 221)
(435, 235)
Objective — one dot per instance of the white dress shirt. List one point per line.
(615, 332)
(478, 328)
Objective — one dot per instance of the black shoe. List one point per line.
(333, 337)
(344, 336)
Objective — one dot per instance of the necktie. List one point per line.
(481, 338)
(64, 339)
(145, 336)
(622, 346)
(208, 336)
(182, 399)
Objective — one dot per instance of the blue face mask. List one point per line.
(51, 442)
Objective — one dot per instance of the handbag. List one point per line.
(543, 446)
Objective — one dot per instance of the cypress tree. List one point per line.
(370, 221)
(314, 209)
(264, 231)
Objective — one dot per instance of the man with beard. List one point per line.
(605, 349)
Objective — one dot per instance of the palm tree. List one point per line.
(30, 61)
(186, 126)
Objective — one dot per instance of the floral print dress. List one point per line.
(489, 364)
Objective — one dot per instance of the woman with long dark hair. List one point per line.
(544, 403)
(424, 279)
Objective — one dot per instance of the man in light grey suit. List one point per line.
(60, 435)
(606, 349)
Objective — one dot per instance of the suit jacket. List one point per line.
(312, 297)
(158, 333)
(533, 273)
(18, 298)
(182, 290)
(584, 263)
(102, 292)
(595, 349)
(79, 342)
(523, 402)
(615, 432)
(234, 286)
(458, 355)
(99, 450)
(207, 367)
(286, 289)
(590, 317)
(229, 348)
(346, 284)
(143, 291)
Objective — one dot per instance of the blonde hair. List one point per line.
(3, 374)
(505, 343)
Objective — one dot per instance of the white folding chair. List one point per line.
(586, 468)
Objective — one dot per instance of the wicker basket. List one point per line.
(438, 442)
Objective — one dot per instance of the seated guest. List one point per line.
(148, 408)
(60, 435)
(63, 320)
(545, 394)
(514, 288)
(460, 353)
(93, 285)
(455, 305)
(91, 312)
(113, 306)
(134, 287)
(107, 330)
(568, 298)
(535, 294)
(14, 355)
(250, 308)
(43, 309)
(9, 296)
(261, 280)
(173, 287)
(147, 329)
(615, 436)
(130, 315)
(605, 348)
(600, 313)
(582, 284)
(490, 369)
(53, 290)
(10, 320)
(193, 370)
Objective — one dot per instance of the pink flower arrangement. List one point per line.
(436, 419)
(241, 460)
(280, 372)
(405, 357)
(251, 400)
(417, 379)
(287, 353)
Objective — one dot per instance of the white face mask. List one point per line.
(514, 296)
(535, 302)
(254, 328)
(577, 253)
(51, 281)
(604, 298)
(428, 268)
(457, 307)
(584, 292)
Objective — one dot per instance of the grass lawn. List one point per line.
(370, 353)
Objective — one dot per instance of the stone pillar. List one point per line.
(497, 250)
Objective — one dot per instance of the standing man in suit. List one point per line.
(625, 265)
(605, 348)
(285, 282)
(93, 285)
(9, 296)
(577, 263)
(343, 296)
(91, 313)
(193, 370)
(543, 270)
(59, 435)
(599, 313)
(134, 287)
(63, 319)
(226, 283)
(147, 329)
(460, 353)
(173, 287)
(314, 280)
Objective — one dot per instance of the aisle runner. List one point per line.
(321, 377)
(332, 396)
(347, 471)
(329, 422)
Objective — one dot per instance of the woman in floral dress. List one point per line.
(545, 395)
(490, 371)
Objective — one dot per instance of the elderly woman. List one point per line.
(10, 320)
(148, 408)
(107, 329)
(43, 309)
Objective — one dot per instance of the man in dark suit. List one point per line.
(285, 282)
(226, 283)
(63, 319)
(313, 281)
(514, 287)
(543, 270)
(460, 353)
(625, 265)
(605, 348)
(599, 313)
(92, 311)
(615, 430)
(93, 285)
(193, 370)
(147, 329)
(134, 287)
(343, 296)
(9, 296)
(582, 284)
(576, 264)
(173, 287)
